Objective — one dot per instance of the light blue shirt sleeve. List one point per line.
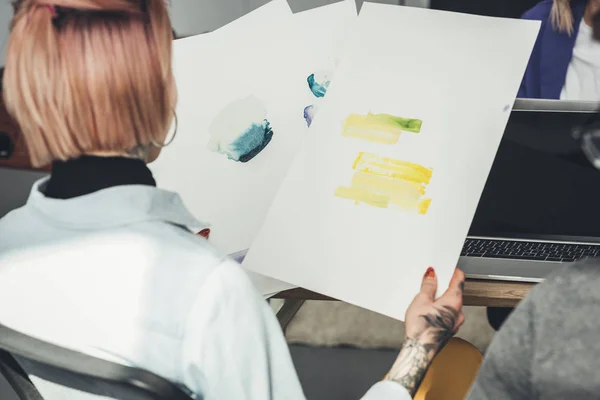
(387, 390)
(234, 348)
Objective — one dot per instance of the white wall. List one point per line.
(197, 16)
(5, 14)
(302, 5)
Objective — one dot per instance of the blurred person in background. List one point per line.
(548, 348)
(564, 64)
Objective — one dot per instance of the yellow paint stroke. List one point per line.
(387, 183)
(379, 128)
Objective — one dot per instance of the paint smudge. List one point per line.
(319, 83)
(309, 114)
(241, 130)
(387, 183)
(379, 128)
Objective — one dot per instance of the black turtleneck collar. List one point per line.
(89, 174)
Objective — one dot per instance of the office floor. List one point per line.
(339, 373)
(325, 373)
(340, 350)
(321, 323)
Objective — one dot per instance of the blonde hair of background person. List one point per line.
(562, 15)
(109, 78)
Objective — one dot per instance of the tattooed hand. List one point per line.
(429, 324)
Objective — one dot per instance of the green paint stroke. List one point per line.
(406, 124)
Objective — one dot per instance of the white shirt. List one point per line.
(117, 274)
(583, 75)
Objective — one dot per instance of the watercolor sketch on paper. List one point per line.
(309, 114)
(318, 83)
(387, 183)
(379, 128)
(240, 131)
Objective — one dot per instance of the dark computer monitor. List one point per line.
(541, 184)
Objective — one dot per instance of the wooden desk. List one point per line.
(477, 293)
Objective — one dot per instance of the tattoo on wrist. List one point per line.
(417, 353)
(411, 365)
(442, 325)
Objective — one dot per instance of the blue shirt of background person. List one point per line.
(546, 73)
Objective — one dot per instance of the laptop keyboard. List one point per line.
(529, 250)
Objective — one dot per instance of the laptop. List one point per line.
(540, 207)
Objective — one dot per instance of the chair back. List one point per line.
(22, 356)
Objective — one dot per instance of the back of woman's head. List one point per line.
(89, 76)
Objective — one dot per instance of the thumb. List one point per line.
(429, 284)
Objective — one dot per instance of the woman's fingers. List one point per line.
(456, 286)
(460, 320)
(429, 284)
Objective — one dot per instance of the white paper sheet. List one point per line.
(455, 73)
(325, 30)
(469, 156)
(265, 55)
(212, 73)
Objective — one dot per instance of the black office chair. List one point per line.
(77, 371)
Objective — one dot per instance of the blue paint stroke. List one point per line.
(240, 130)
(319, 89)
(309, 114)
(250, 143)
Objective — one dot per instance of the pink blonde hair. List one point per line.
(86, 76)
(561, 16)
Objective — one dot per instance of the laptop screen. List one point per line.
(541, 185)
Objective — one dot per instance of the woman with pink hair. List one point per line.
(101, 261)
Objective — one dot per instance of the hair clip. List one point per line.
(52, 9)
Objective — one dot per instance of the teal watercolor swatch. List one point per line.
(251, 142)
(319, 89)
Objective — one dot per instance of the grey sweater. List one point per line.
(549, 348)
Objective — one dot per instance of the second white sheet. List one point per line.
(454, 74)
